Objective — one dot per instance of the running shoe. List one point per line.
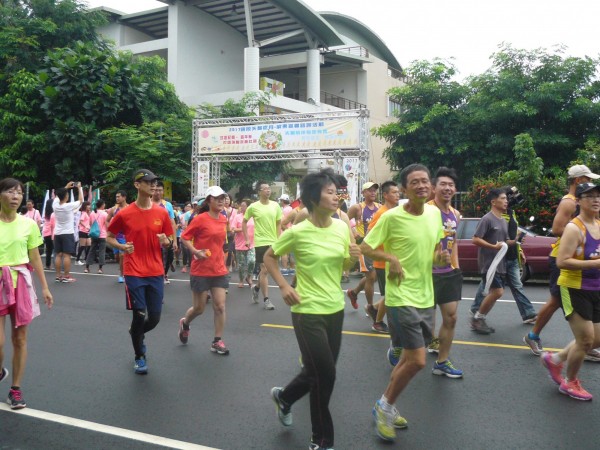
(68, 279)
(268, 305)
(3, 374)
(291, 271)
(353, 298)
(167, 281)
(574, 390)
(86, 270)
(399, 421)
(480, 326)
(121, 279)
(284, 412)
(284, 272)
(371, 312)
(384, 423)
(15, 399)
(434, 345)
(535, 345)
(184, 331)
(393, 355)
(593, 355)
(58, 279)
(530, 320)
(140, 367)
(554, 370)
(219, 348)
(184, 269)
(255, 291)
(100, 271)
(446, 368)
(314, 446)
(380, 327)
(79, 263)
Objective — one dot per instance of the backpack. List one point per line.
(94, 230)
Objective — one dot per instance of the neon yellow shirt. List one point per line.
(320, 254)
(16, 239)
(412, 239)
(265, 222)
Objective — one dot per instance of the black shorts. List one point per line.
(381, 280)
(83, 235)
(584, 303)
(202, 284)
(64, 243)
(260, 253)
(447, 287)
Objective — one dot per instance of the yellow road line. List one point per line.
(385, 336)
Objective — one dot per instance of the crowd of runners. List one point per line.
(407, 246)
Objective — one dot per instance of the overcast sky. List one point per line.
(467, 30)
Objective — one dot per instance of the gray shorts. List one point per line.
(202, 284)
(410, 327)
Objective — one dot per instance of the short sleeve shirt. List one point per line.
(65, 216)
(320, 254)
(16, 239)
(208, 233)
(141, 226)
(491, 229)
(265, 222)
(412, 239)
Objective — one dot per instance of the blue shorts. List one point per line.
(144, 293)
(120, 240)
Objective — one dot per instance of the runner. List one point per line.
(121, 202)
(565, 211)
(169, 252)
(84, 229)
(244, 255)
(146, 228)
(204, 239)
(19, 241)
(447, 280)
(64, 237)
(98, 248)
(267, 227)
(409, 296)
(48, 232)
(363, 213)
(579, 262)
(322, 248)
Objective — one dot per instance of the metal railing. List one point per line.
(397, 74)
(330, 99)
(355, 51)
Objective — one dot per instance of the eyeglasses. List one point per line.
(590, 196)
(13, 192)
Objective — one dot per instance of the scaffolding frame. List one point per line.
(215, 160)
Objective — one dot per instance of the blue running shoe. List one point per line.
(140, 367)
(121, 279)
(393, 355)
(446, 368)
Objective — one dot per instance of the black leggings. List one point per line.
(49, 243)
(139, 326)
(319, 338)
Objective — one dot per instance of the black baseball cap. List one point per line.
(585, 187)
(144, 175)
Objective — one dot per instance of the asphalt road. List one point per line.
(82, 393)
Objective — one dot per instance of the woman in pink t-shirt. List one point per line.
(98, 244)
(85, 223)
(243, 254)
(48, 232)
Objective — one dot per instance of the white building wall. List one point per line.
(132, 36)
(340, 83)
(205, 55)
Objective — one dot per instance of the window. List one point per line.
(394, 108)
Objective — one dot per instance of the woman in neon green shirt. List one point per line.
(19, 241)
(323, 250)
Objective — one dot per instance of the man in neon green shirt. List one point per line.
(410, 235)
(267, 227)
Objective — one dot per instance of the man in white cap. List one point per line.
(565, 211)
(286, 209)
(363, 213)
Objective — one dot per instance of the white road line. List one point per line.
(106, 429)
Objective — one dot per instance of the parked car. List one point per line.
(536, 249)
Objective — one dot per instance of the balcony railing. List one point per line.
(397, 74)
(355, 51)
(329, 99)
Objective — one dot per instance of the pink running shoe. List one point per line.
(353, 298)
(184, 331)
(219, 348)
(574, 390)
(554, 370)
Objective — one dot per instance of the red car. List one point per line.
(536, 249)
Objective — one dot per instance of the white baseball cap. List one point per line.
(580, 170)
(285, 197)
(215, 191)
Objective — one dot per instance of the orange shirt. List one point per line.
(141, 226)
(208, 233)
(376, 216)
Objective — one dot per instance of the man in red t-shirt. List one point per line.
(146, 228)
